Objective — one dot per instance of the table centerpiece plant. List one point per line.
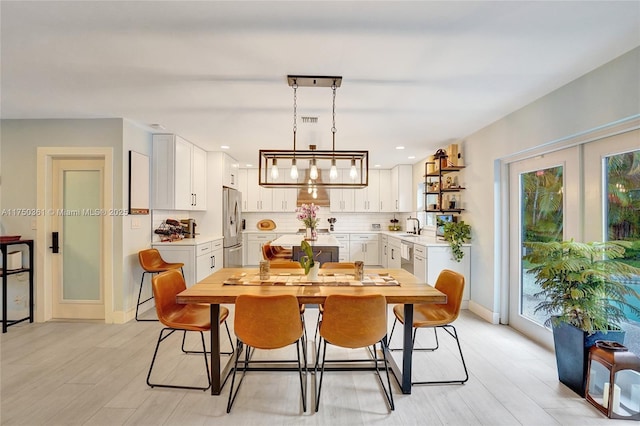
(308, 214)
(311, 267)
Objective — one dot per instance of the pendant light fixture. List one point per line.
(356, 161)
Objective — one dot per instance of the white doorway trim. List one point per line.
(45, 156)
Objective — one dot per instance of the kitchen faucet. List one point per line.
(414, 227)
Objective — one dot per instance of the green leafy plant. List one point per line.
(582, 283)
(306, 261)
(456, 233)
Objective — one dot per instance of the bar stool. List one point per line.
(151, 262)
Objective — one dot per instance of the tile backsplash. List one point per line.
(344, 221)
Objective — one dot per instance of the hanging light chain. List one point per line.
(333, 129)
(295, 109)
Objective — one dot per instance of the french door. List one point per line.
(589, 192)
(544, 206)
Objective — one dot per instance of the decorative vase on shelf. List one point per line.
(313, 272)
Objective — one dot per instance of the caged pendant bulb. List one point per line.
(313, 173)
(294, 170)
(353, 173)
(333, 173)
(274, 169)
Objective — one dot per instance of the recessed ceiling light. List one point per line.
(248, 165)
(377, 165)
(156, 126)
(399, 147)
(224, 146)
(411, 157)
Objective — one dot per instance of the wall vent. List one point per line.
(309, 119)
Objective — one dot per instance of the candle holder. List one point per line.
(613, 381)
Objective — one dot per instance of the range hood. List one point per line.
(306, 197)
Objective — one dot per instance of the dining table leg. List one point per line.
(216, 382)
(407, 348)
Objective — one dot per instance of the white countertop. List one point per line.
(188, 241)
(426, 239)
(294, 240)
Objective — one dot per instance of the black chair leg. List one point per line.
(232, 394)
(161, 338)
(144, 301)
(453, 334)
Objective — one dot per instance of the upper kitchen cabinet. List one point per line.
(396, 186)
(284, 199)
(230, 169)
(342, 199)
(179, 174)
(367, 199)
(254, 197)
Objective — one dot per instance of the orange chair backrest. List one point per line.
(452, 284)
(165, 288)
(338, 265)
(285, 264)
(267, 322)
(150, 259)
(354, 321)
(267, 254)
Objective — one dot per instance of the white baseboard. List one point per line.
(484, 313)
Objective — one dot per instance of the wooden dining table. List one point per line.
(214, 291)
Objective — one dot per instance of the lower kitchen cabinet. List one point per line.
(253, 247)
(343, 247)
(429, 261)
(393, 253)
(201, 257)
(365, 248)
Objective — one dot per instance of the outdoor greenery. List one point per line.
(581, 283)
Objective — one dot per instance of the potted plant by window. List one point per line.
(456, 233)
(583, 291)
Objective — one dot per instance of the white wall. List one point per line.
(136, 229)
(20, 140)
(606, 95)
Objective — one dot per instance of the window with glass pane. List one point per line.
(622, 206)
(541, 216)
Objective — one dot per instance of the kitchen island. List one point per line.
(326, 248)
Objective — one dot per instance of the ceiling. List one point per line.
(416, 74)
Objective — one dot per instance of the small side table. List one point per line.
(5, 273)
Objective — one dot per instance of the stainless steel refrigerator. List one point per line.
(232, 227)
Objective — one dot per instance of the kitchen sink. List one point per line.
(408, 235)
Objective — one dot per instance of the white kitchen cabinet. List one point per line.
(367, 200)
(201, 257)
(230, 167)
(254, 243)
(420, 262)
(364, 247)
(342, 199)
(393, 253)
(284, 199)
(396, 196)
(384, 249)
(441, 257)
(257, 198)
(179, 174)
(343, 247)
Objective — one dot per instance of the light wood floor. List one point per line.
(68, 373)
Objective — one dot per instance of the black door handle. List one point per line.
(55, 248)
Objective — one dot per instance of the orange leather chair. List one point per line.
(270, 252)
(438, 316)
(352, 321)
(338, 265)
(152, 263)
(181, 317)
(267, 322)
